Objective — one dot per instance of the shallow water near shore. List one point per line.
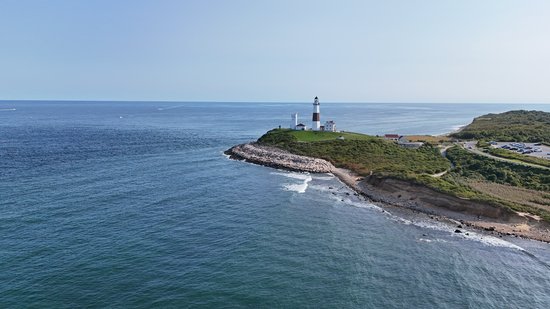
(135, 205)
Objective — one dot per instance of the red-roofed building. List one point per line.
(391, 137)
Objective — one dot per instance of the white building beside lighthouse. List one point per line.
(294, 122)
(316, 120)
(330, 126)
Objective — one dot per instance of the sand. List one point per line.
(390, 192)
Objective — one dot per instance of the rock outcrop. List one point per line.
(277, 158)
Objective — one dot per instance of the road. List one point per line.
(471, 147)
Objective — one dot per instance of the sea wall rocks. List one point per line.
(409, 195)
(277, 158)
(385, 190)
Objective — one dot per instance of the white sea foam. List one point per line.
(339, 197)
(453, 129)
(431, 240)
(489, 240)
(361, 204)
(327, 188)
(294, 175)
(7, 109)
(300, 188)
(466, 234)
(457, 127)
(296, 187)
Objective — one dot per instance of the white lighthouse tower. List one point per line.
(294, 122)
(316, 121)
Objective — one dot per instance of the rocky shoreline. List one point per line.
(385, 191)
(277, 158)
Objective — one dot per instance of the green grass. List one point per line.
(367, 155)
(359, 152)
(282, 136)
(315, 136)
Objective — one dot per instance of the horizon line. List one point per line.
(251, 102)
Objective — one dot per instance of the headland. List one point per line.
(391, 192)
(444, 181)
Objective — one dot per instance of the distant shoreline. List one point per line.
(388, 191)
(460, 128)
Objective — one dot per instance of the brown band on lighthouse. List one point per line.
(316, 117)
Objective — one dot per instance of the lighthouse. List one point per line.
(316, 121)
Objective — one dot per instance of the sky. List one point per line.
(439, 51)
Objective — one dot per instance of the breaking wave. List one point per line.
(301, 187)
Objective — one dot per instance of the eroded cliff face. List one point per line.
(377, 188)
(404, 193)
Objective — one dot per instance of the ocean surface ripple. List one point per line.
(133, 204)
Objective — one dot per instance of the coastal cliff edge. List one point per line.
(388, 191)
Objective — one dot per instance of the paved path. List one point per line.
(471, 147)
(440, 174)
(443, 151)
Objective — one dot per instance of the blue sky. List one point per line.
(342, 51)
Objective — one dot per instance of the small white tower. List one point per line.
(316, 121)
(294, 122)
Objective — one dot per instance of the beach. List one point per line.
(391, 192)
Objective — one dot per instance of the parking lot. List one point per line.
(522, 147)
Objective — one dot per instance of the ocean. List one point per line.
(134, 204)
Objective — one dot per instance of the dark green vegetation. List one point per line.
(366, 154)
(469, 165)
(361, 153)
(517, 126)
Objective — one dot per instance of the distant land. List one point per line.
(463, 177)
(518, 126)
